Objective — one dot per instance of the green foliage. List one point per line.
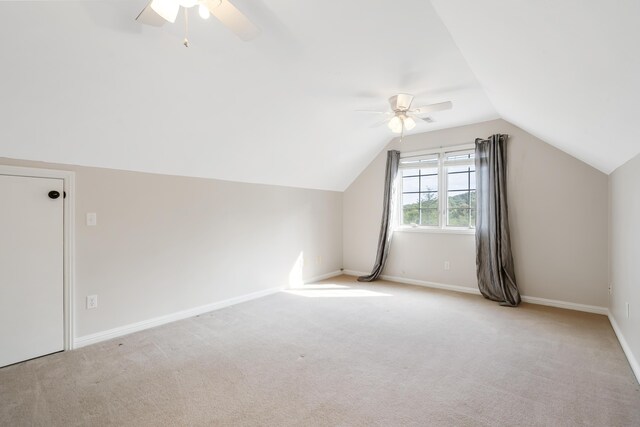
(424, 212)
(462, 209)
(461, 205)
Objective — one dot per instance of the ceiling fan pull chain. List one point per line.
(186, 28)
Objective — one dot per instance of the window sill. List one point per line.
(469, 231)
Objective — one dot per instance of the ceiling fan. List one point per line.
(402, 117)
(158, 12)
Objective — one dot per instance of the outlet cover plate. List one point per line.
(92, 301)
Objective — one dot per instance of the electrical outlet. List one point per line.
(92, 301)
(447, 265)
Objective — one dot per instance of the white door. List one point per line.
(31, 268)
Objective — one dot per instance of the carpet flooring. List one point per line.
(340, 354)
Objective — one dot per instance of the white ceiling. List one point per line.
(566, 71)
(83, 83)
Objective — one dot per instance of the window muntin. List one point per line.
(461, 196)
(420, 202)
(438, 190)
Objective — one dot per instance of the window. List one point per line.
(438, 190)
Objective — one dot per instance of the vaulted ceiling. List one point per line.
(566, 71)
(83, 83)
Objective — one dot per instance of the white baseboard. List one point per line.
(465, 289)
(455, 288)
(416, 282)
(633, 362)
(568, 305)
(353, 273)
(323, 277)
(161, 320)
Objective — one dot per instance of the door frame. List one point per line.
(69, 272)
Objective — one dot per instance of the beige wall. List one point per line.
(624, 223)
(167, 243)
(558, 214)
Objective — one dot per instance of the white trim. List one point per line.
(168, 318)
(323, 277)
(565, 304)
(438, 150)
(455, 288)
(404, 280)
(633, 362)
(69, 179)
(468, 290)
(354, 273)
(448, 230)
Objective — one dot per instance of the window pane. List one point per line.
(410, 172)
(429, 171)
(459, 199)
(410, 184)
(410, 216)
(459, 155)
(473, 199)
(427, 159)
(459, 218)
(410, 211)
(429, 162)
(429, 182)
(410, 199)
(457, 169)
(429, 217)
(473, 218)
(473, 180)
(429, 200)
(458, 181)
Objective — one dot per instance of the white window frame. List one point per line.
(442, 191)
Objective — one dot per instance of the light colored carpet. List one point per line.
(358, 355)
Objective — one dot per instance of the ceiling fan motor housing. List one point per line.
(401, 102)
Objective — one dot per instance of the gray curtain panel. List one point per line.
(494, 261)
(388, 216)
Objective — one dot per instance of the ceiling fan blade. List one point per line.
(148, 16)
(375, 125)
(232, 18)
(427, 119)
(433, 107)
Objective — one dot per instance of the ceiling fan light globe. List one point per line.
(395, 124)
(187, 3)
(409, 123)
(203, 11)
(168, 9)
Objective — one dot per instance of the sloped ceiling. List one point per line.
(83, 83)
(566, 71)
